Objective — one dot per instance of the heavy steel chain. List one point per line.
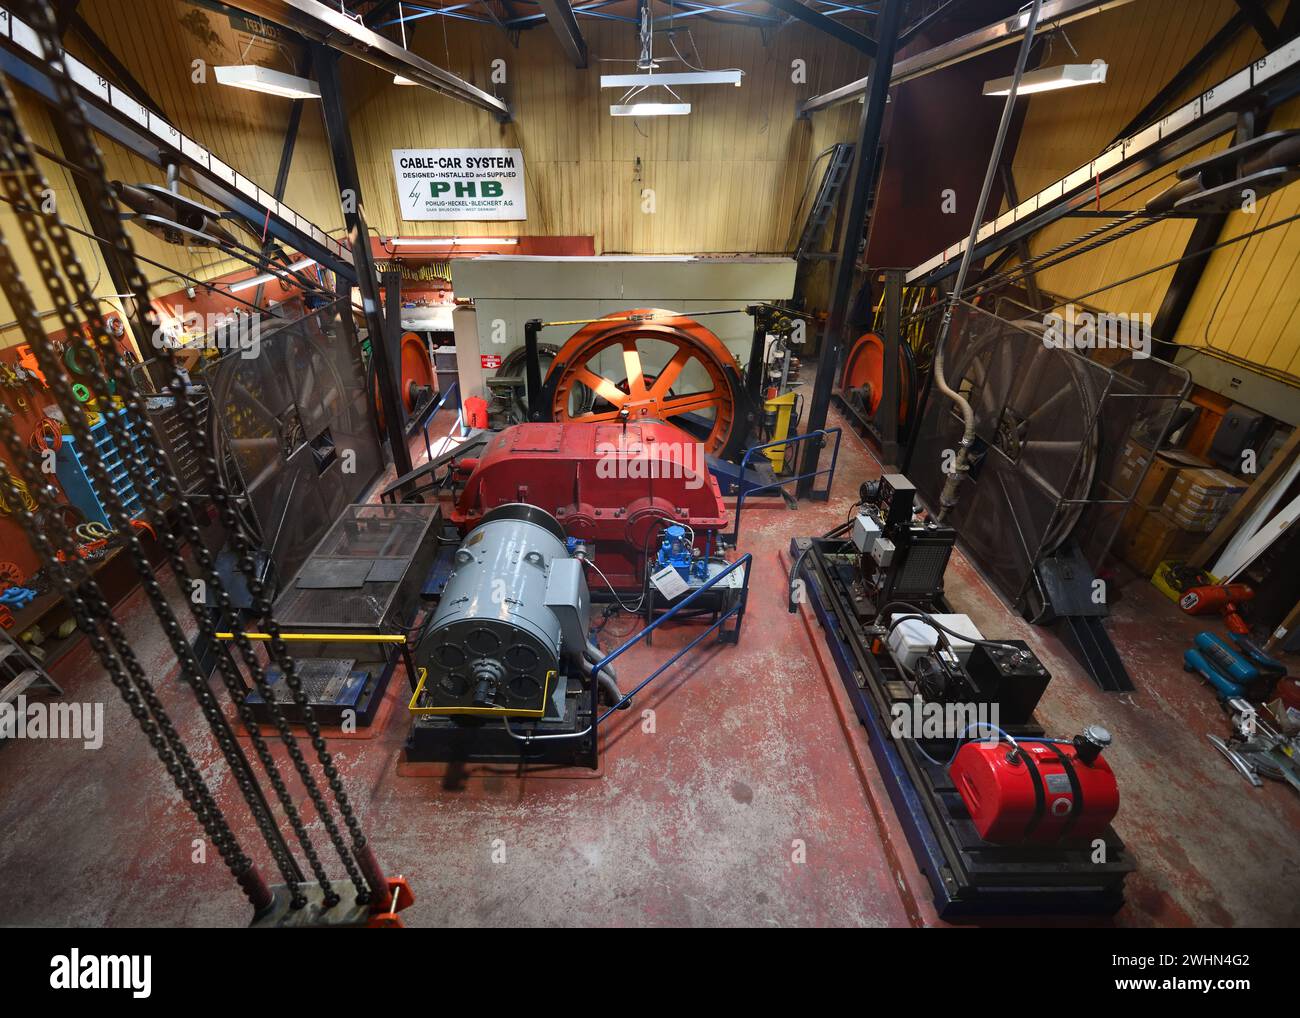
(18, 163)
(51, 538)
(86, 154)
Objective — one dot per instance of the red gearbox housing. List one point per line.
(1035, 793)
(610, 485)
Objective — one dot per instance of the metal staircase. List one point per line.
(828, 197)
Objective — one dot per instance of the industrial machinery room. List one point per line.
(650, 464)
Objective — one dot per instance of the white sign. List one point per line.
(668, 581)
(448, 184)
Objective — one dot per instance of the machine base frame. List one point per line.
(968, 876)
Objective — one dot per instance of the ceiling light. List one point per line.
(673, 78)
(451, 241)
(1047, 79)
(650, 110)
(269, 277)
(262, 79)
(399, 79)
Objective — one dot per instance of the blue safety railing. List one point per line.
(736, 611)
(744, 463)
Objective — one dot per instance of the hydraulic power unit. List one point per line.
(1038, 792)
(903, 557)
(611, 486)
(1002, 817)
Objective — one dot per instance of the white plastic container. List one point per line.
(915, 638)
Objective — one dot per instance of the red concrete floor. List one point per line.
(752, 802)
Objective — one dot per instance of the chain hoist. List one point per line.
(108, 378)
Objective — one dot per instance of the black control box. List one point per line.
(897, 501)
(1010, 676)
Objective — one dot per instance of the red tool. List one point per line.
(27, 360)
(1219, 599)
(475, 410)
(383, 913)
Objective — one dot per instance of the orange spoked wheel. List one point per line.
(418, 379)
(863, 378)
(655, 365)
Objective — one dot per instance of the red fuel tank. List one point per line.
(609, 485)
(1036, 793)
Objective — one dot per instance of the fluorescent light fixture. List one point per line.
(450, 241)
(650, 110)
(269, 277)
(1048, 79)
(674, 78)
(401, 79)
(262, 79)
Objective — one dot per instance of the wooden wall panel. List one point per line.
(157, 41)
(727, 178)
(39, 127)
(1244, 305)
(1248, 303)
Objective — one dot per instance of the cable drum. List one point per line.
(862, 379)
(1036, 450)
(651, 364)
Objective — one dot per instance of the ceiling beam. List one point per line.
(1261, 22)
(563, 22)
(819, 21)
(1055, 13)
(922, 23)
(372, 16)
(321, 23)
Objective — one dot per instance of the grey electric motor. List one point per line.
(513, 618)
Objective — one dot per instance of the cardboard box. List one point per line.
(1164, 473)
(1157, 538)
(1198, 499)
(1133, 521)
(1165, 470)
(1199, 522)
(1204, 484)
(1132, 461)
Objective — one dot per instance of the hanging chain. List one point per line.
(19, 165)
(87, 602)
(87, 155)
